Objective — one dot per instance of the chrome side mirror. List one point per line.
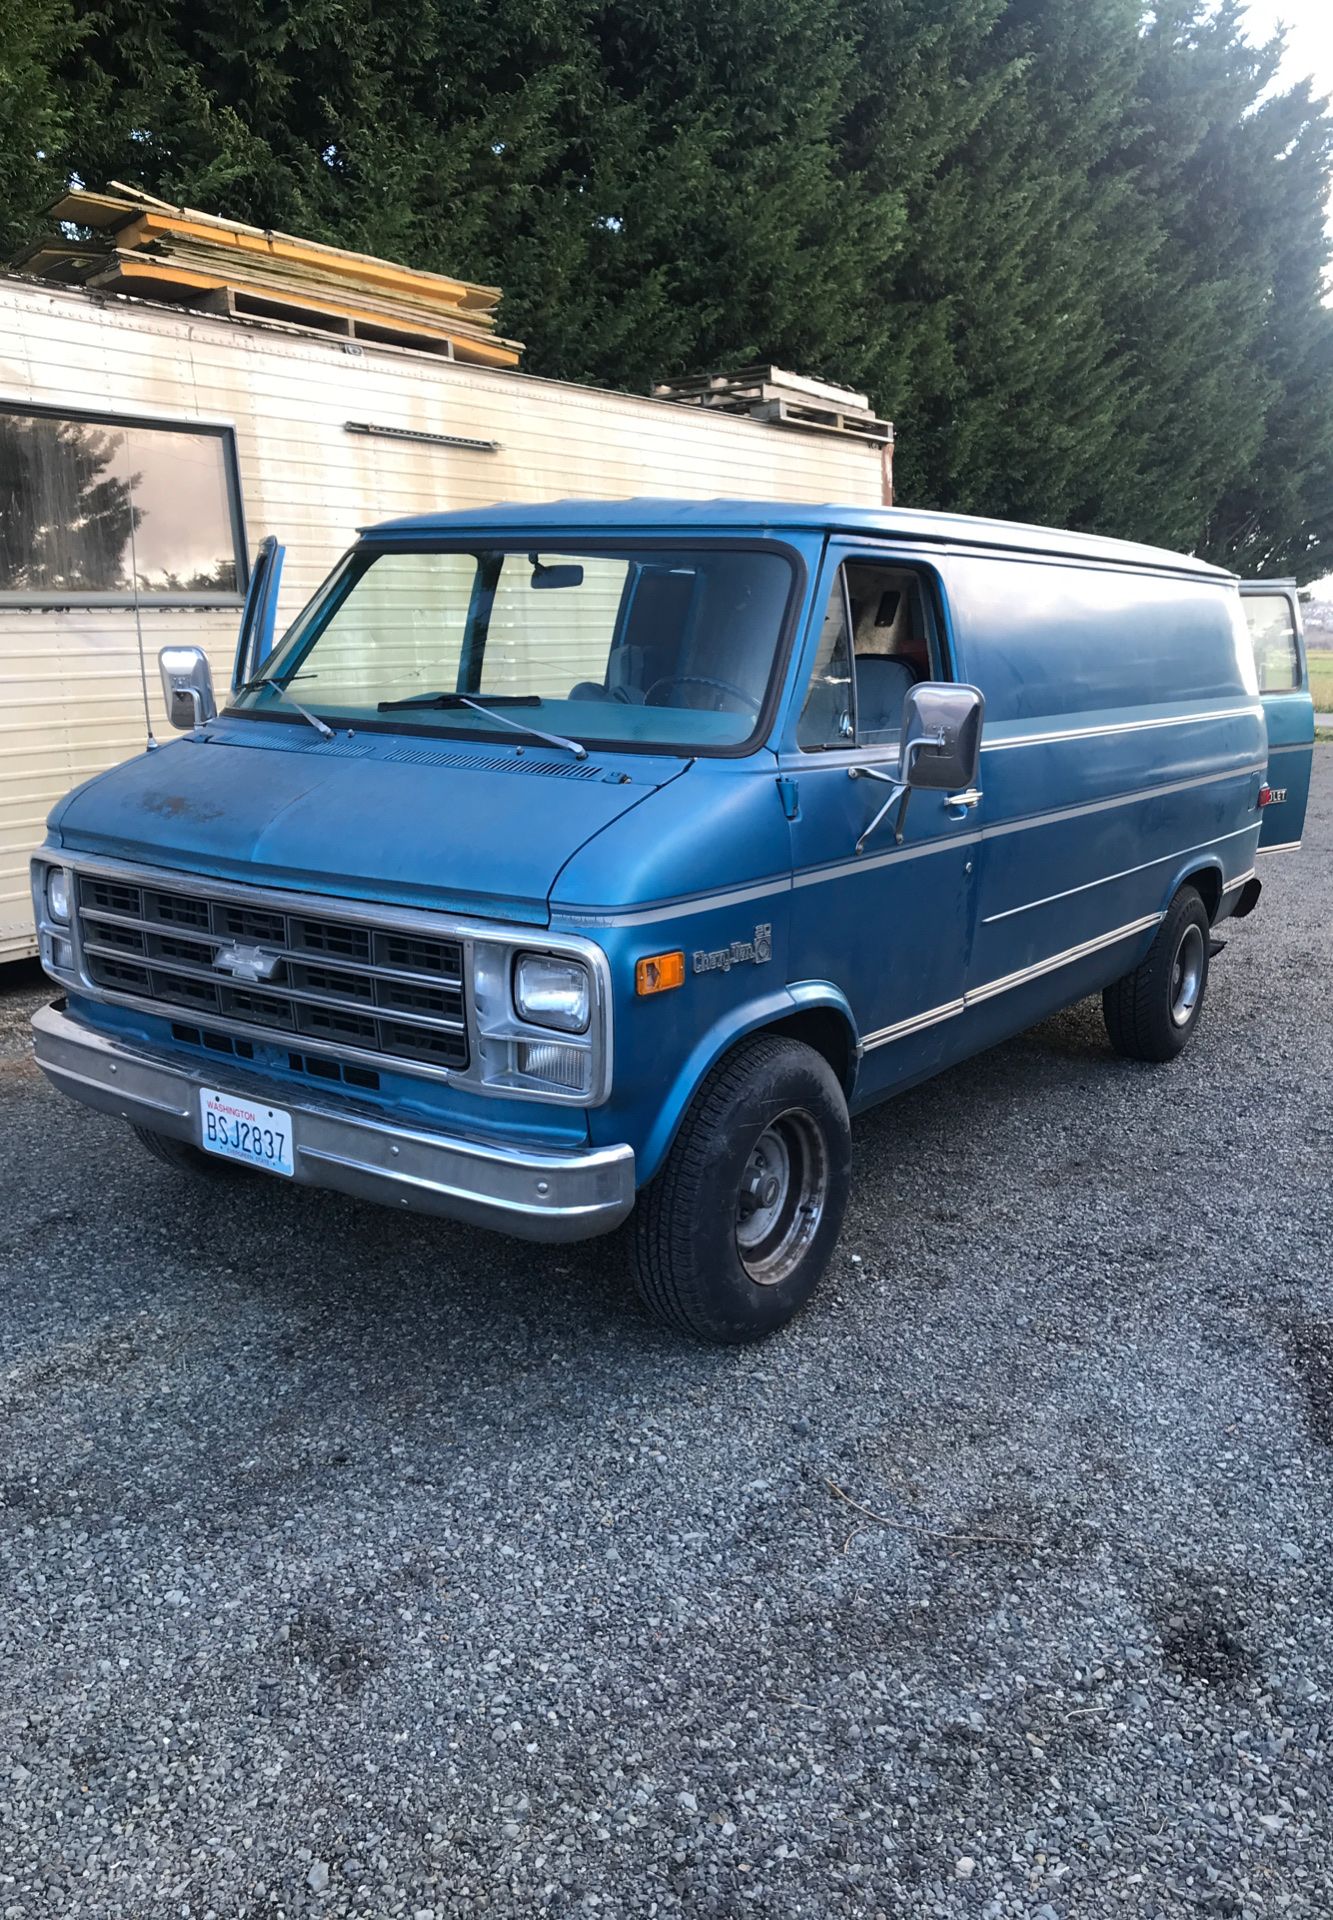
(187, 686)
(941, 735)
(941, 750)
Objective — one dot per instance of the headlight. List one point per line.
(57, 894)
(552, 992)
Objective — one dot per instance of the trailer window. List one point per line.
(96, 511)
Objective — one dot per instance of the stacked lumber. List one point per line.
(133, 243)
(784, 400)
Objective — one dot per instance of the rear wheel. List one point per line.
(179, 1154)
(734, 1234)
(1151, 1012)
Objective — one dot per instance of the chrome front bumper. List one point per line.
(538, 1196)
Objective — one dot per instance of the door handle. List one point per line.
(968, 798)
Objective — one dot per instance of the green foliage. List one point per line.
(1077, 250)
(37, 39)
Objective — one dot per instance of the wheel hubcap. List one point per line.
(1187, 975)
(781, 1200)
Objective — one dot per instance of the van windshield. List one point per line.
(666, 649)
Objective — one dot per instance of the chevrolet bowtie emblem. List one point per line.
(246, 963)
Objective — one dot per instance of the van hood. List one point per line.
(457, 825)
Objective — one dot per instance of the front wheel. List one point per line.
(734, 1234)
(1152, 1012)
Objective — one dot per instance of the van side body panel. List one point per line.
(1124, 749)
(1122, 754)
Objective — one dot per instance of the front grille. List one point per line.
(343, 984)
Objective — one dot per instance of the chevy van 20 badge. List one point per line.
(568, 865)
(722, 959)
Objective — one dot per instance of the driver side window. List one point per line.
(878, 640)
(828, 718)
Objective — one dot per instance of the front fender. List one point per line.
(750, 1016)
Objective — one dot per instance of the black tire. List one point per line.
(1151, 1012)
(179, 1155)
(728, 1265)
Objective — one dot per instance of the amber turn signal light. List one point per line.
(659, 972)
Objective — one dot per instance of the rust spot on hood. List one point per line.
(178, 806)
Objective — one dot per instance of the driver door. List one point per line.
(890, 926)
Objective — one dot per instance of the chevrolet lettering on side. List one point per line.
(569, 865)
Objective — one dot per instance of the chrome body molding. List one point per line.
(901, 1029)
(470, 934)
(1232, 886)
(1084, 808)
(974, 995)
(1057, 734)
(1126, 873)
(841, 869)
(535, 1195)
(677, 908)
(650, 913)
(1021, 977)
(1283, 846)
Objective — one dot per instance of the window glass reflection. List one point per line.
(92, 506)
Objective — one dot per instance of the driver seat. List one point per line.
(882, 683)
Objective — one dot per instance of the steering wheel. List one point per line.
(702, 680)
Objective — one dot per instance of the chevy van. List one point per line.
(562, 863)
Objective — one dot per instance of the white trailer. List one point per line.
(146, 449)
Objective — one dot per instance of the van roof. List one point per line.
(895, 523)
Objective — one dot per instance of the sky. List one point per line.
(1309, 30)
(1309, 26)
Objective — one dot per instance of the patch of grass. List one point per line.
(1321, 678)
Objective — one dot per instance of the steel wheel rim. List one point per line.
(1187, 975)
(783, 1192)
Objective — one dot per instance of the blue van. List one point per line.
(572, 861)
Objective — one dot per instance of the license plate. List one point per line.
(235, 1129)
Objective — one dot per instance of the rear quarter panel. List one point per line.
(1123, 751)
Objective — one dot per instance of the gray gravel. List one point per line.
(354, 1565)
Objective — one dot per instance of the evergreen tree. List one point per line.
(36, 39)
(1276, 514)
(1075, 249)
(1018, 239)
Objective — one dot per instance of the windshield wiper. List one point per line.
(453, 700)
(325, 732)
(459, 700)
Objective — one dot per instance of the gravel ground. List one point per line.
(354, 1565)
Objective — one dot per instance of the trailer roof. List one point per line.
(647, 515)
